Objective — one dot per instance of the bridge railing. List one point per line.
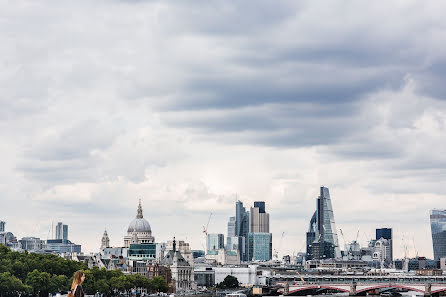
(347, 279)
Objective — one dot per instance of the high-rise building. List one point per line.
(234, 243)
(322, 238)
(231, 227)
(438, 228)
(260, 205)
(386, 233)
(258, 218)
(242, 228)
(61, 231)
(2, 226)
(260, 246)
(215, 242)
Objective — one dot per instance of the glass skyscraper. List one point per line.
(438, 228)
(260, 246)
(242, 228)
(322, 237)
(215, 242)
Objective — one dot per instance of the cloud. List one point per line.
(188, 106)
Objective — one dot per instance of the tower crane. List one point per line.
(276, 251)
(205, 230)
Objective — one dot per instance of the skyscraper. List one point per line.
(231, 227)
(386, 233)
(322, 238)
(260, 246)
(258, 218)
(2, 226)
(61, 231)
(215, 242)
(242, 228)
(438, 228)
(259, 238)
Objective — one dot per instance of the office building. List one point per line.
(231, 227)
(260, 246)
(382, 252)
(322, 238)
(2, 226)
(258, 218)
(215, 242)
(61, 231)
(242, 228)
(142, 251)
(438, 229)
(386, 233)
(60, 246)
(235, 243)
(32, 244)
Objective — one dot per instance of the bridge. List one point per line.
(359, 285)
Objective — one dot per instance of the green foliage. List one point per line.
(11, 285)
(39, 275)
(229, 282)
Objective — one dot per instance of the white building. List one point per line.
(382, 252)
(245, 275)
(141, 227)
(184, 248)
(182, 272)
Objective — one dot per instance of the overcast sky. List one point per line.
(187, 105)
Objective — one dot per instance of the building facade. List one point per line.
(32, 244)
(258, 218)
(260, 246)
(322, 238)
(438, 229)
(242, 228)
(184, 248)
(61, 231)
(223, 257)
(2, 226)
(382, 252)
(386, 233)
(61, 246)
(215, 242)
(182, 273)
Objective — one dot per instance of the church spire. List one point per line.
(139, 213)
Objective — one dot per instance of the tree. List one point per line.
(58, 283)
(103, 287)
(159, 284)
(11, 285)
(39, 282)
(229, 282)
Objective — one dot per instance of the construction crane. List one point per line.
(276, 251)
(205, 229)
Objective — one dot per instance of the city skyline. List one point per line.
(190, 107)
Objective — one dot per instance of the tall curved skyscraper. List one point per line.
(322, 237)
(438, 228)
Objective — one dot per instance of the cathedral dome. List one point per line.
(139, 224)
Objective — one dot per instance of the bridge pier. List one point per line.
(352, 289)
(428, 290)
